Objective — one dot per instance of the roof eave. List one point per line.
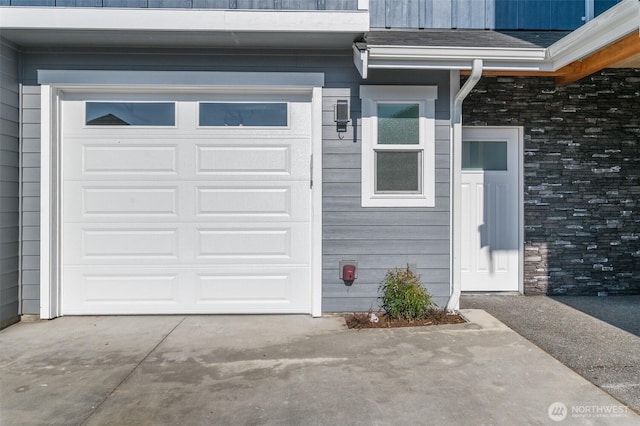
(616, 23)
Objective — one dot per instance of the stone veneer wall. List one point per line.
(581, 177)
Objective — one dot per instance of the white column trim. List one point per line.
(49, 285)
(316, 202)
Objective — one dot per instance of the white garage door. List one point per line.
(186, 204)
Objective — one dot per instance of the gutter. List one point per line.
(456, 122)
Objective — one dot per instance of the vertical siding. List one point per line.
(483, 14)
(9, 189)
(601, 6)
(377, 238)
(196, 4)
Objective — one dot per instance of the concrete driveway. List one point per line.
(293, 370)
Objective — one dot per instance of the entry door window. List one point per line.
(484, 155)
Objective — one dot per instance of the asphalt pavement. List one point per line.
(598, 337)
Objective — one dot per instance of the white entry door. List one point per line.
(489, 232)
(186, 204)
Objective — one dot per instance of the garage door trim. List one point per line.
(54, 85)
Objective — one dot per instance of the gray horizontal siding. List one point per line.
(30, 199)
(381, 238)
(195, 4)
(377, 238)
(9, 190)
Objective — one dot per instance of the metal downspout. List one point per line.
(456, 153)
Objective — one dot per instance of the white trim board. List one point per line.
(192, 20)
(193, 80)
(50, 206)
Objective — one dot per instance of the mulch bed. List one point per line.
(434, 317)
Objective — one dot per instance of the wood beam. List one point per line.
(610, 55)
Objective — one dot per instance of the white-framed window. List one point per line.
(398, 146)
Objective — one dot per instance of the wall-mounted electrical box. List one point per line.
(348, 271)
(341, 115)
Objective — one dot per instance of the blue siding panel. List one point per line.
(33, 2)
(79, 3)
(402, 14)
(377, 13)
(212, 4)
(603, 5)
(187, 4)
(534, 15)
(506, 14)
(469, 13)
(567, 14)
(124, 3)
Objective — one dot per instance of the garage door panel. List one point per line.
(123, 159)
(258, 157)
(261, 201)
(131, 159)
(95, 202)
(255, 244)
(130, 287)
(131, 244)
(121, 244)
(117, 291)
(230, 160)
(257, 291)
(127, 201)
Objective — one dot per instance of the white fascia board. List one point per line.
(616, 23)
(460, 66)
(196, 20)
(448, 58)
(455, 53)
(361, 60)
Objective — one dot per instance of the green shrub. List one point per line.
(403, 295)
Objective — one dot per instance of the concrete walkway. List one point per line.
(598, 337)
(293, 370)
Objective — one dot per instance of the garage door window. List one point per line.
(130, 114)
(243, 114)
